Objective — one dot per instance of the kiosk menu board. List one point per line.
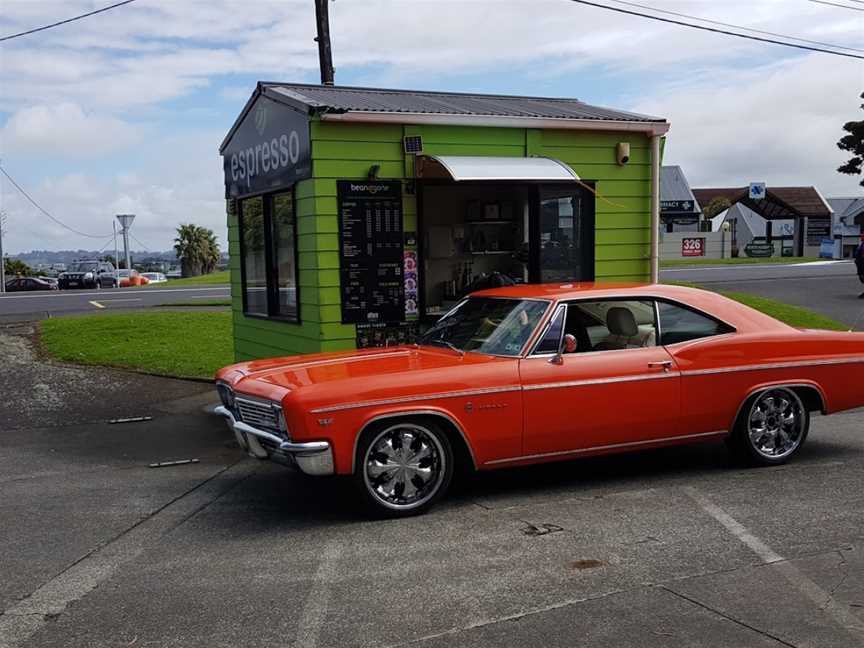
(371, 251)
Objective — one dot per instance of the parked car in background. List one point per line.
(154, 277)
(20, 284)
(536, 373)
(54, 281)
(129, 278)
(174, 273)
(86, 273)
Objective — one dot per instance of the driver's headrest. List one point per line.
(620, 321)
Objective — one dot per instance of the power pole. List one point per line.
(125, 221)
(2, 259)
(325, 54)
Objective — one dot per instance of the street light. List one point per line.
(126, 222)
(725, 227)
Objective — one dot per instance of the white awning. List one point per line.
(474, 167)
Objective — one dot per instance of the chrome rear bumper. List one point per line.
(312, 457)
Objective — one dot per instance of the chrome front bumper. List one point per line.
(312, 458)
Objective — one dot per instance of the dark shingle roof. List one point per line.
(805, 200)
(337, 99)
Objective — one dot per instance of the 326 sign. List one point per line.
(693, 247)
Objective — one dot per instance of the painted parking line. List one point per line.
(825, 601)
(111, 301)
(96, 304)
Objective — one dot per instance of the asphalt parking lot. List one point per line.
(674, 547)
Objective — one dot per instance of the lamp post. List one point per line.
(725, 227)
(2, 262)
(126, 222)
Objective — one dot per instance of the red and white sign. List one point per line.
(693, 247)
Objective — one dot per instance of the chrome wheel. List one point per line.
(404, 466)
(776, 423)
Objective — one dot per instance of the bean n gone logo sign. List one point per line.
(269, 150)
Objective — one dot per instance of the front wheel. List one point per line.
(403, 468)
(772, 426)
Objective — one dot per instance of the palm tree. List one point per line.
(197, 249)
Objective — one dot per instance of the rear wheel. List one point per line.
(772, 427)
(403, 467)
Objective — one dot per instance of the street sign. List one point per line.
(757, 191)
(692, 247)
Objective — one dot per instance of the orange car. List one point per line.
(528, 374)
(133, 278)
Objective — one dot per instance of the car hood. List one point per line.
(327, 378)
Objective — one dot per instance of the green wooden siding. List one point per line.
(347, 151)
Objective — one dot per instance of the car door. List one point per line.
(619, 388)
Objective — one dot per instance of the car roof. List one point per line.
(738, 315)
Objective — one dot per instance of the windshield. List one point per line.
(86, 266)
(487, 325)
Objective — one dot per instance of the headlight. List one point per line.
(226, 395)
(89, 275)
(280, 418)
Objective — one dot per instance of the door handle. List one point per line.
(666, 365)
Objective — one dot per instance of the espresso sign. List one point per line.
(269, 150)
(371, 251)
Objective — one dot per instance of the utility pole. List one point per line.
(325, 54)
(126, 222)
(2, 258)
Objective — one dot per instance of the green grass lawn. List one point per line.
(214, 278)
(675, 263)
(226, 301)
(791, 315)
(168, 343)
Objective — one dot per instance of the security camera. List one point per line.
(622, 153)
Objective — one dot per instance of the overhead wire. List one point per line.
(725, 24)
(68, 20)
(146, 247)
(837, 4)
(44, 211)
(715, 30)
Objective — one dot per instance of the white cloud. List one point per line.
(64, 130)
(778, 124)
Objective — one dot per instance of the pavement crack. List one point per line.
(728, 617)
(841, 565)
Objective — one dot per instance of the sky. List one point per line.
(123, 112)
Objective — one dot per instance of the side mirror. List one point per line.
(568, 345)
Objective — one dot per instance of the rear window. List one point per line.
(681, 324)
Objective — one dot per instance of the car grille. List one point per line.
(257, 414)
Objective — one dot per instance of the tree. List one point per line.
(716, 206)
(854, 143)
(197, 249)
(13, 267)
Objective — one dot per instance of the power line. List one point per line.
(68, 20)
(750, 29)
(836, 4)
(39, 207)
(716, 31)
(146, 247)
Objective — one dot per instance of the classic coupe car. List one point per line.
(536, 373)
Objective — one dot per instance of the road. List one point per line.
(39, 305)
(674, 547)
(830, 288)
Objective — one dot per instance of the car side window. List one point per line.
(681, 324)
(611, 324)
(552, 338)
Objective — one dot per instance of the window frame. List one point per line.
(271, 267)
(567, 302)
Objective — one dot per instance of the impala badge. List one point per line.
(325, 422)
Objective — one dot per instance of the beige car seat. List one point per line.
(624, 333)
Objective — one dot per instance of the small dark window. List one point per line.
(552, 339)
(681, 324)
(268, 256)
(254, 258)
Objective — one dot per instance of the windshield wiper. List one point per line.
(449, 345)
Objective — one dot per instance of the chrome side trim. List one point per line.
(413, 399)
(419, 412)
(603, 381)
(631, 444)
(774, 365)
